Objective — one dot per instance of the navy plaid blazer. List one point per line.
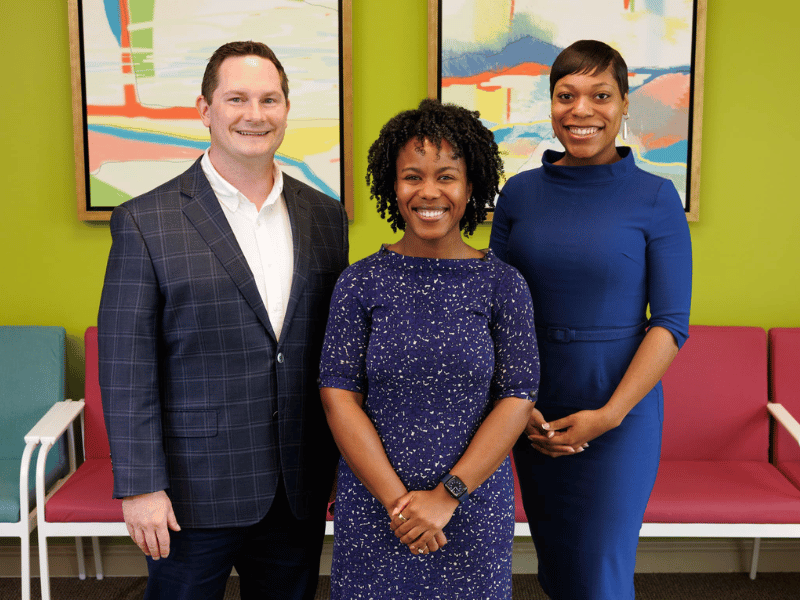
(199, 397)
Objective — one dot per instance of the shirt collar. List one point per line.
(227, 193)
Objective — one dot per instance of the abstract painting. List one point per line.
(137, 68)
(494, 56)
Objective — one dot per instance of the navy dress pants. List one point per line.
(276, 558)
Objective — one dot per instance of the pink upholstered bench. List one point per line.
(784, 352)
(715, 478)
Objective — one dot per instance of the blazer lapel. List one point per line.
(300, 219)
(204, 212)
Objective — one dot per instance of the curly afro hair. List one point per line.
(434, 121)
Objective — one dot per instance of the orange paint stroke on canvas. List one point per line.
(132, 108)
(481, 79)
(125, 21)
(107, 148)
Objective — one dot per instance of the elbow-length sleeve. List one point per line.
(516, 370)
(669, 264)
(343, 359)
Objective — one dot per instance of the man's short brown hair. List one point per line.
(249, 48)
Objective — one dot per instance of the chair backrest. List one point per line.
(715, 396)
(784, 354)
(32, 375)
(95, 438)
(32, 379)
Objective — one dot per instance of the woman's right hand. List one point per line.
(419, 517)
(540, 436)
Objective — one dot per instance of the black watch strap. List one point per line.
(455, 487)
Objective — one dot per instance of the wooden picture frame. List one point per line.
(135, 81)
(472, 62)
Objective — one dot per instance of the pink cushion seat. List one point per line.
(722, 492)
(791, 469)
(86, 496)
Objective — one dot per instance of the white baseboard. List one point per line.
(122, 559)
(702, 555)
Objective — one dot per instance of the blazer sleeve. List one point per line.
(128, 323)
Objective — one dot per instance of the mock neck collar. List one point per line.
(588, 174)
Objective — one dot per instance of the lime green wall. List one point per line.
(746, 245)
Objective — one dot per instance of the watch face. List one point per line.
(455, 486)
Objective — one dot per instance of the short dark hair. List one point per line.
(434, 122)
(249, 48)
(591, 57)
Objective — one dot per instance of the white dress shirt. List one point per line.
(265, 237)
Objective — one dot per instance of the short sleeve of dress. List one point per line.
(669, 265)
(343, 359)
(516, 370)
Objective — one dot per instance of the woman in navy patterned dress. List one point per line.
(428, 375)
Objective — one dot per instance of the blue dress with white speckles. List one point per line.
(431, 344)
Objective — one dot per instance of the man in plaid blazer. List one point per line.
(210, 328)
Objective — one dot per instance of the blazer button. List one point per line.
(275, 415)
(280, 357)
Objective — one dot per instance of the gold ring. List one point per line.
(401, 517)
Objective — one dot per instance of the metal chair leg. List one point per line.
(81, 559)
(98, 561)
(754, 563)
(25, 557)
(44, 567)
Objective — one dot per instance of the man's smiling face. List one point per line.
(247, 114)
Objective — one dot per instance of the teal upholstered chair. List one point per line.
(32, 367)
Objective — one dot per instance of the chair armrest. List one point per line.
(53, 424)
(24, 474)
(46, 432)
(785, 418)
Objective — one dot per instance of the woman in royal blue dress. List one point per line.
(428, 373)
(599, 241)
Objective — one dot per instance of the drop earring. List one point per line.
(625, 127)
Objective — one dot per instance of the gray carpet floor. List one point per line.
(649, 586)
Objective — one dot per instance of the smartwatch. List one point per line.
(455, 486)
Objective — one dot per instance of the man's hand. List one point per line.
(149, 518)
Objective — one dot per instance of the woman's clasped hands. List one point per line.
(419, 517)
(569, 435)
